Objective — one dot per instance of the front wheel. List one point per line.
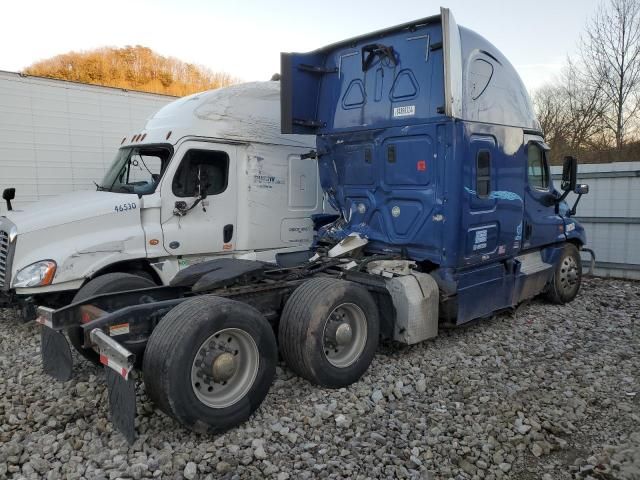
(567, 277)
(329, 331)
(210, 363)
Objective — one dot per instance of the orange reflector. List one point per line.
(49, 274)
(154, 241)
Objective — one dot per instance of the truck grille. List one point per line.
(4, 257)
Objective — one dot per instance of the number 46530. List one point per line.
(125, 207)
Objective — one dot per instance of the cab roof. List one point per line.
(243, 113)
(461, 75)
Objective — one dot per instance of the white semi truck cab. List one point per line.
(210, 175)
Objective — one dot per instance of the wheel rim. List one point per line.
(225, 367)
(345, 335)
(569, 275)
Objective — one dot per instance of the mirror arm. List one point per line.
(181, 212)
(563, 196)
(559, 199)
(572, 212)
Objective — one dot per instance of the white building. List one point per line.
(58, 136)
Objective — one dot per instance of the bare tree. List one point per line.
(610, 51)
(586, 107)
(549, 105)
(571, 111)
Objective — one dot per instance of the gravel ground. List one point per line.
(547, 392)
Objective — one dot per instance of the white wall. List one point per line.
(610, 214)
(57, 136)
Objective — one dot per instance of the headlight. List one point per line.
(37, 274)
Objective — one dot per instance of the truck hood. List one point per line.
(68, 208)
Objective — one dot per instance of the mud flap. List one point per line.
(122, 403)
(56, 354)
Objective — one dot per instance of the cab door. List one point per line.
(209, 226)
(492, 200)
(541, 224)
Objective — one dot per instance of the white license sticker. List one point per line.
(120, 329)
(407, 111)
(481, 236)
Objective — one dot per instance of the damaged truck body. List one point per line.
(428, 148)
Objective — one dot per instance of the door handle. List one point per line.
(227, 233)
(528, 230)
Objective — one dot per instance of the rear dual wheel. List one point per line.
(329, 331)
(210, 363)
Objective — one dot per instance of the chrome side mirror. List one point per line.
(581, 189)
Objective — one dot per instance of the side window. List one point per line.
(144, 168)
(537, 167)
(483, 173)
(213, 166)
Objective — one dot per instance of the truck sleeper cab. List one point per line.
(428, 148)
(209, 175)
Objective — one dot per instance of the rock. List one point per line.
(521, 428)
(496, 400)
(537, 450)
(259, 453)
(342, 421)
(190, 471)
(467, 467)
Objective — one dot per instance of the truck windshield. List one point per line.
(136, 170)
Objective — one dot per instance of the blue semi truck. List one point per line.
(429, 149)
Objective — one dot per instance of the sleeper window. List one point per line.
(537, 167)
(213, 167)
(483, 174)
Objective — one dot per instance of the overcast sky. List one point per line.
(244, 37)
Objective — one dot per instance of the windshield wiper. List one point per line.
(120, 172)
(99, 188)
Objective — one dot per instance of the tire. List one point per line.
(567, 277)
(178, 384)
(107, 283)
(309, 326)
